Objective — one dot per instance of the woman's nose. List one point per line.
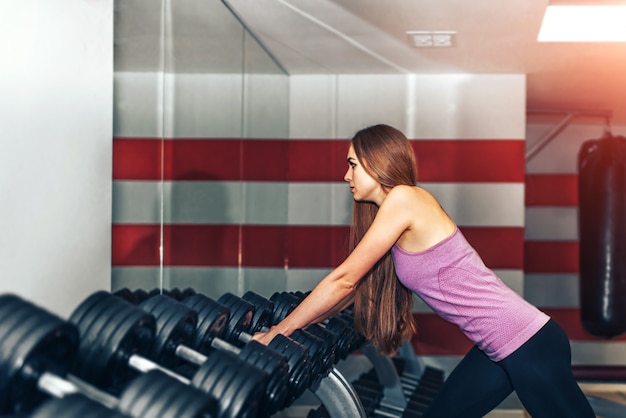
(347, 176)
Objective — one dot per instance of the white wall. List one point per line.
(423, 106)
(56, 72)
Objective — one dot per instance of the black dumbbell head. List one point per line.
(127, 294)
(317, 352)
(345, 336)
(299, 364)
(330, 341)
(277, 369)
(212, 320)
(186, 292)
(239, 386)
(241, 314)
(111, 330)
(157, 395)
(140, 295)
(32, 341)
(175, 325)
(264, 313)
(284, 304)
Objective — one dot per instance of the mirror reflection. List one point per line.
(198, 103)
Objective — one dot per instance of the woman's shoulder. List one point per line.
(406, 192)
(428, 223)
(410, 199)
(417, 200)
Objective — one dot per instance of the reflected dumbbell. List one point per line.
(37, 349)
(139, 295)
(118, 339)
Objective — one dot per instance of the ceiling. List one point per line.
(369, 36)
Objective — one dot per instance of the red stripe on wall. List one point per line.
(436, 336)
(137, 159)
(552, 190)
(307, 160)
(569, 319)
(321, 161)
(219, 245)
(183, 245)
(135, 245)
(275, 246)
(200, 160)
(499, 247)
(470, 161)
(319, 247)
(294, 246)
(551, 257)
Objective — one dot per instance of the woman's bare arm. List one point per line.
(336, 291)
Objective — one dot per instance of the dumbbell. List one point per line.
(235, 333)
(263, 319)
(37, 349)
(342, 324)
(175, 318)
(239, 320)
(118, 339)
(282, 304)
(240, 330)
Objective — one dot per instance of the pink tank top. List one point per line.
(453, 280)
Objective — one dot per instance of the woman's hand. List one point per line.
(265, 337)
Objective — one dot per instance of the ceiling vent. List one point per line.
(435, 39)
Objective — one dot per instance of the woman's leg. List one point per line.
(541, 373)
(475, 387)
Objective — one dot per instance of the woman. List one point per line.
(403, 242)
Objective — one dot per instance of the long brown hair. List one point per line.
(383, 307)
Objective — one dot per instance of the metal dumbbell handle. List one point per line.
(60, 387)
(143, 365)
(195, 357)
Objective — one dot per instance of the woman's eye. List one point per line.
(351, 164)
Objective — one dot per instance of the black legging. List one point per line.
(539, 371)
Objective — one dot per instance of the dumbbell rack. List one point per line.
(387, 376)
(407, 386)
(333, 390)
(338, 396)
(394, 387)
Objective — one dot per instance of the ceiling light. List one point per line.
(420, 39)
(584, 21)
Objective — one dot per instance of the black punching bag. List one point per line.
(602, 233)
